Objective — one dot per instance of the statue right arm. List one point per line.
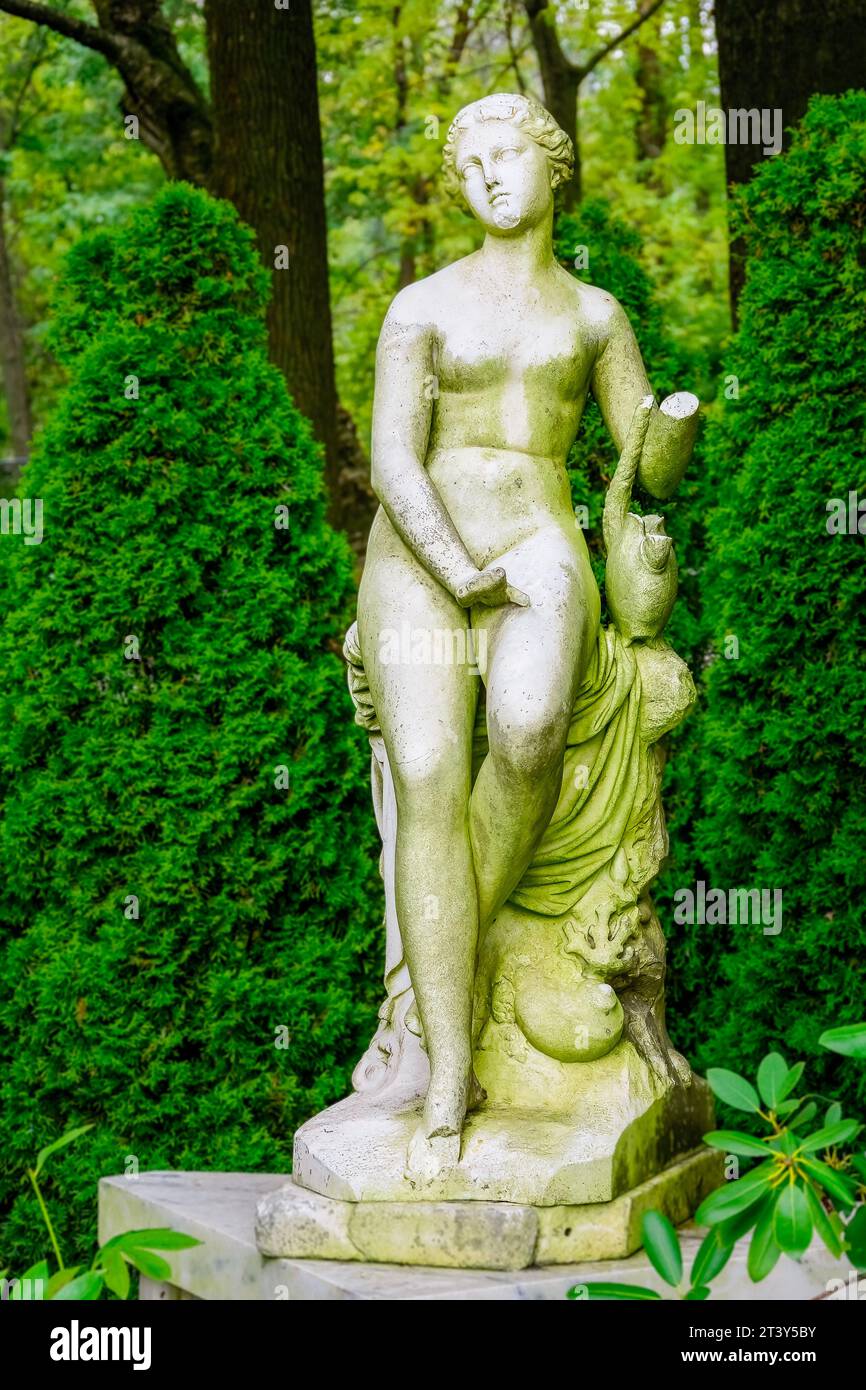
(402, 411)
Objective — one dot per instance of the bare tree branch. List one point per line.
(546, 38)
(593, 62)
(515, 56)
(35, 59)
(69, 27)
(462, 29)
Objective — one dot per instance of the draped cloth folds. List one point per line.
(608, 817)
(608, 803)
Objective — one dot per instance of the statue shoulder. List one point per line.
(600, 309)
(419, 304)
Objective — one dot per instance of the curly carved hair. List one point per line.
(527, 115)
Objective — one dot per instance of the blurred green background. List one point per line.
(205, 209)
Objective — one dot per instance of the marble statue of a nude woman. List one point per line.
(482, 372)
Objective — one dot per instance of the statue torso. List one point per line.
(510, 374)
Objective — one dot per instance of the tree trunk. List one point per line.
(12, 350)
(268, 162)
(160, 91)
(775, 55)
(561, 81)
(173, 115)
(259, 146)
(651, 127)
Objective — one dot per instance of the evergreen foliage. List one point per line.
(770, 780)
(171, 657)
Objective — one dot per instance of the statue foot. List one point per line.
(435, 1146)
(429, 1158)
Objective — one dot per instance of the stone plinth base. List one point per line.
(297, 1223)
(219, 1209)
(604, 1128)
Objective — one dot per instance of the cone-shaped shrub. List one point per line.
(776, 754)
(189, 896)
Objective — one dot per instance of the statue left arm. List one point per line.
(619, 383)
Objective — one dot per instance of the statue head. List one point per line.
(503, 158)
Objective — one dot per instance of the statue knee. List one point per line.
(529, 742)
(431, 784)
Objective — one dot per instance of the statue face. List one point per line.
(505, 177)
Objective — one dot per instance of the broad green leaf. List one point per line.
(829, 1137)
(732, 1229)
(624, 1291)
(763, 1248)
(791, 1080)
(733, 1142)
(698, 1293)
(733, 1089)
(153, 1266)
(792, 1220)
(833, 1114)
(735, 1196)
(858, 1163)
(772, 1075)
(822, 1223)
(713, 1254)
(29, 1283)
(158, 1238)
(787, 1107)
(662, 1246)
(59, 1280)
(115, 1271)
(850, 1040)
(855, 1238)
(60, 1143)
(804, 1116)
(842, 1189)
(87, 1286)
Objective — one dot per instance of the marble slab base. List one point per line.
(294, 1222)
(219, 1209)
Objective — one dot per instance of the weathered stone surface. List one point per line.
(294, 1221)
(455, 1235)
(610, 1230)
(608, 1125)
(219, 1208)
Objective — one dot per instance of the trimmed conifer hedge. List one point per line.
(769, 784)
(189, 895)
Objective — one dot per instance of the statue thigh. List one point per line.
(423, 681)
(534, 658)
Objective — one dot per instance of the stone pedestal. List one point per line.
(219, 1209)
(535, 1184)
(601, 1128)
(294, 1222)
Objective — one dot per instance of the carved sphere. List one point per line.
(570, 1021)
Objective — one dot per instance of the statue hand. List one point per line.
(490, 587)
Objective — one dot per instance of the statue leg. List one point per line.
(426, 710)
(536, 658)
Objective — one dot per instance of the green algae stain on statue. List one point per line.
(521, 1054)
